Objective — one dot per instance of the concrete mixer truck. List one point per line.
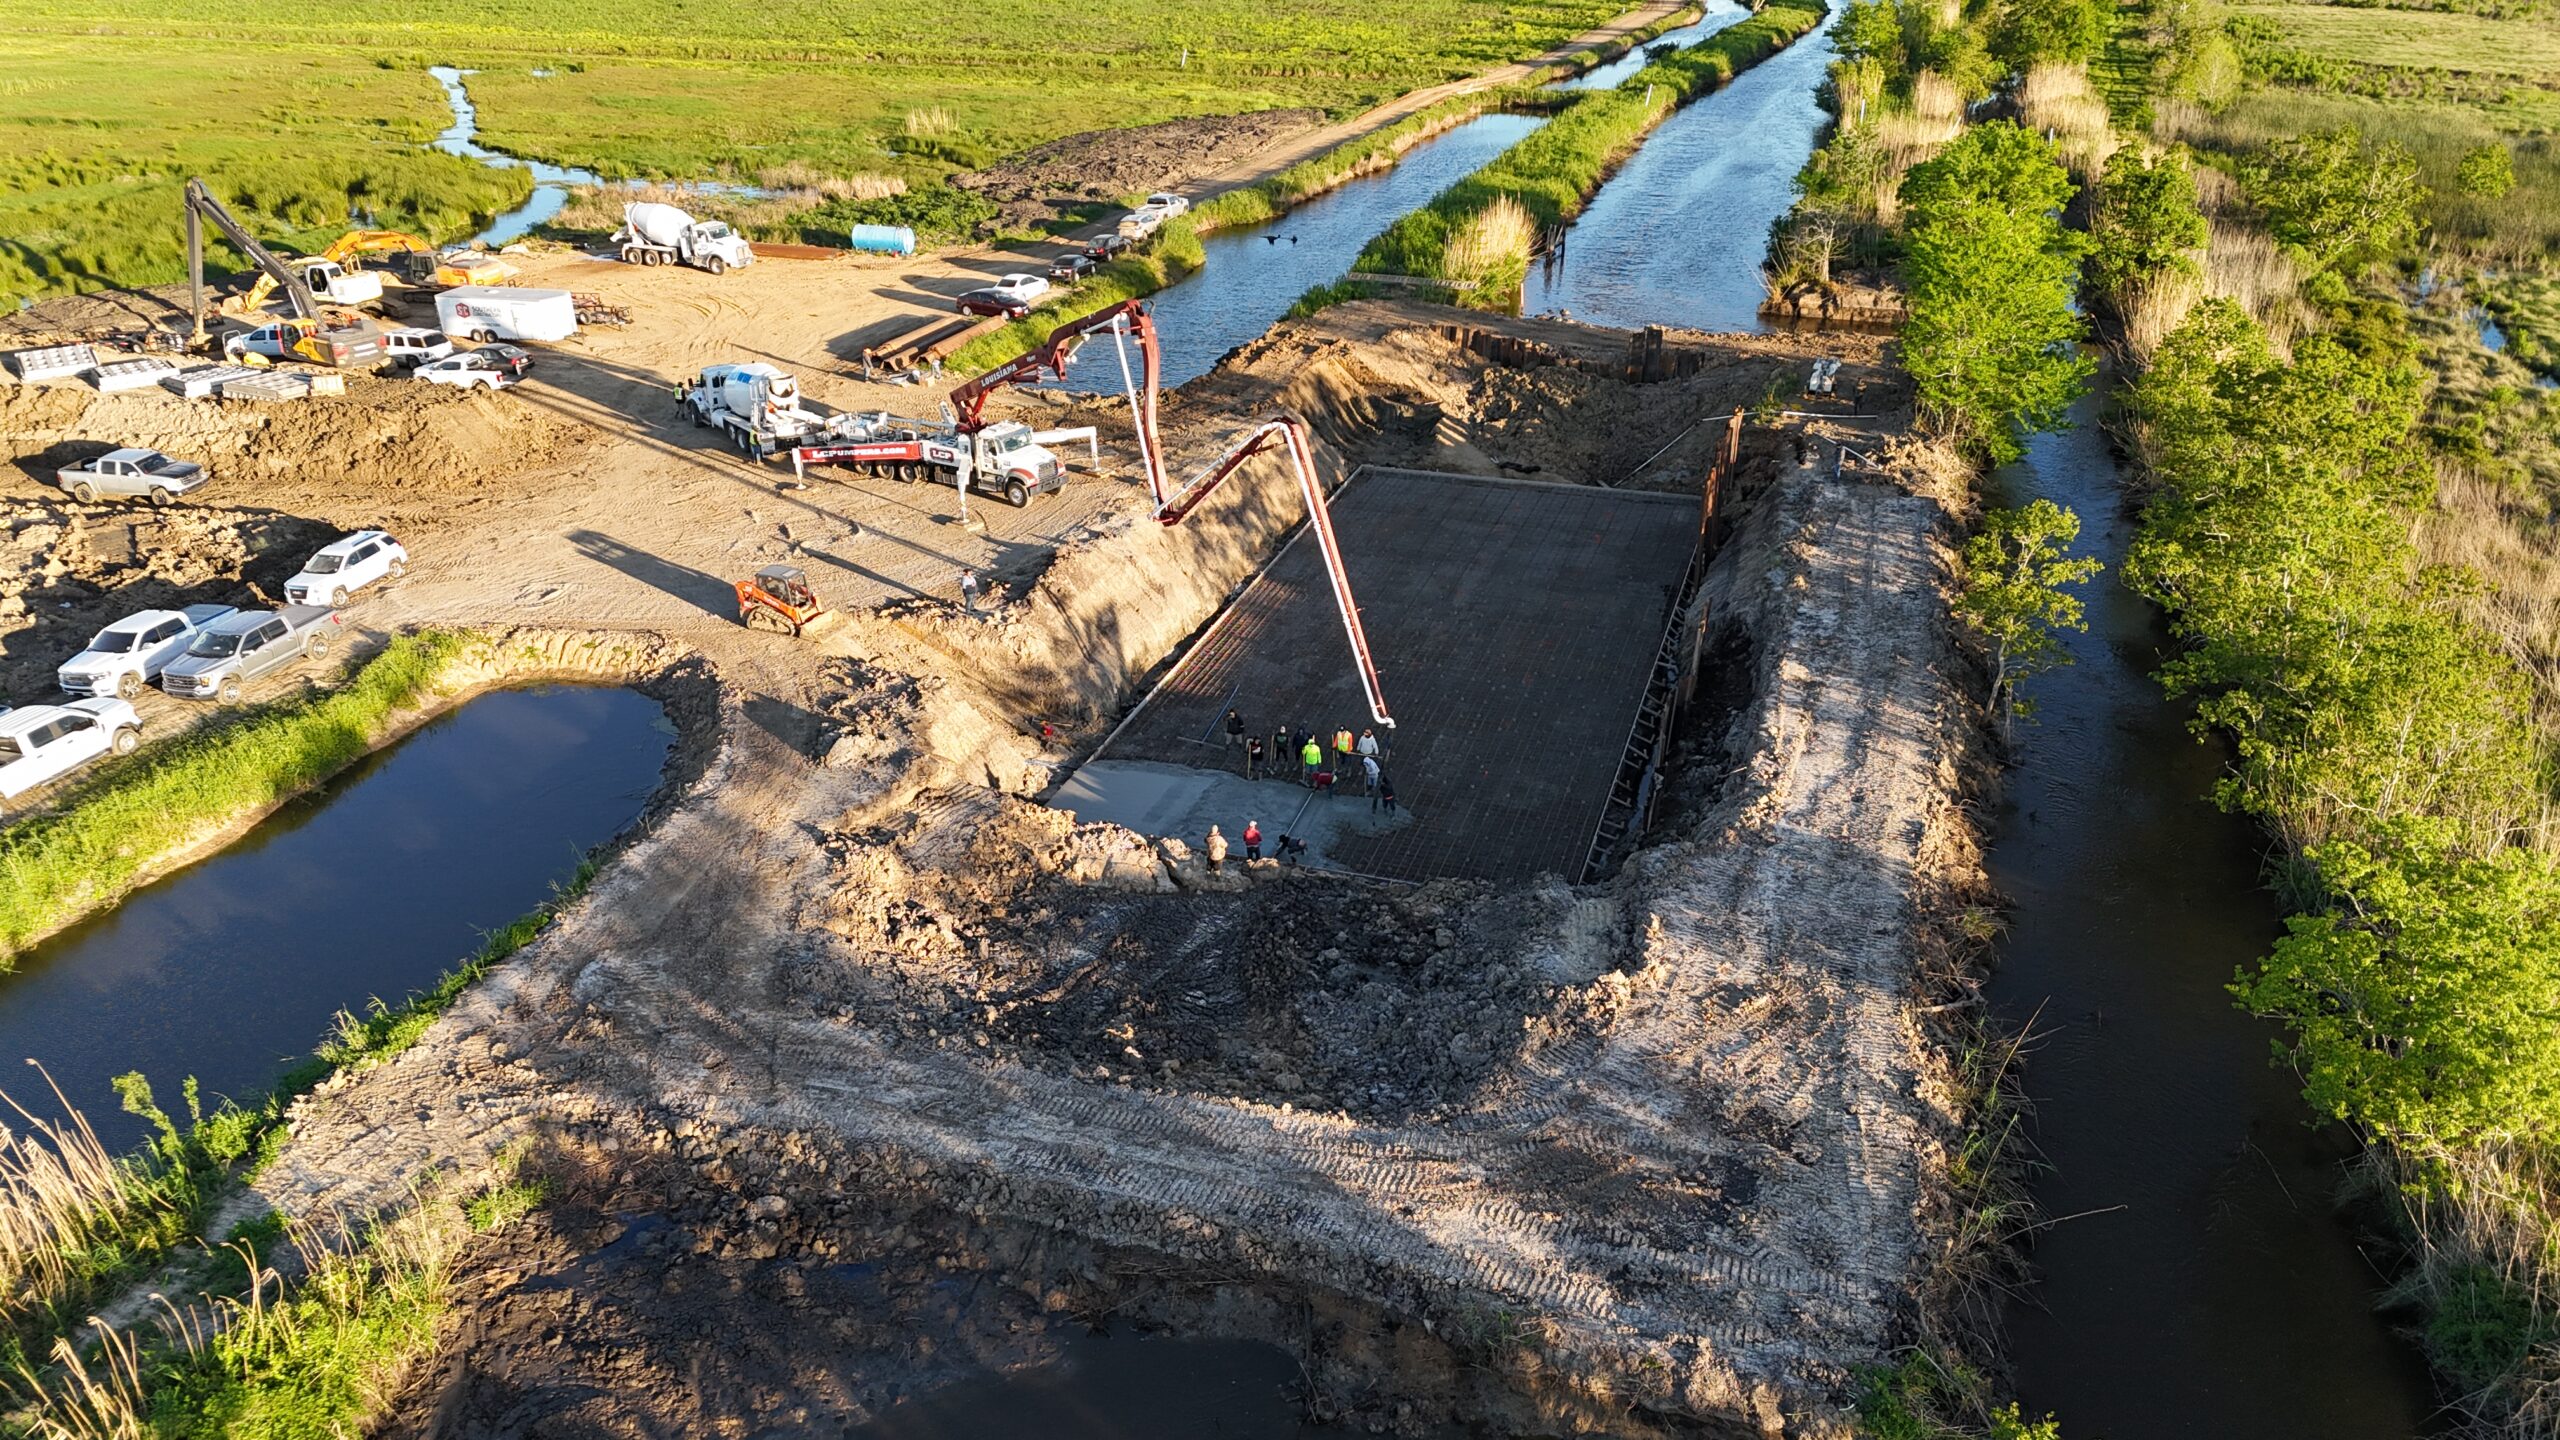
(655, 234)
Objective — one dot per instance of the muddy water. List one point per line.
(1255, 274)
(376, 884)
(1676, 236)
(1121, 1386)
(2213, 1292)
(550, 182)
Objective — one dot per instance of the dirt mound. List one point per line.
(384, 435)
(1108, 164)
(67, 570)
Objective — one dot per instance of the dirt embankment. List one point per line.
(1108, 165)
(1651, 1157)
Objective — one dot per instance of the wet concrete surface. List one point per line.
(1512, 623)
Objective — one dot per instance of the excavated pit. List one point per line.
(1651, 1156)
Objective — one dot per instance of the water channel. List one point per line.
(2207, 1287)
(550, 182)
(374, 885)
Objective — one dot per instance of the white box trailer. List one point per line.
(506, 312)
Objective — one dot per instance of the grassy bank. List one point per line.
(1467, 235)
(321, 107)
(63, 863)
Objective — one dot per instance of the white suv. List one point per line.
(132, 652)
(346, 566)
(46, 742)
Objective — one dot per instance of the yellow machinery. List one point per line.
(334, 275)
(342, 338)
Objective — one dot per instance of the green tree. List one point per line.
(2065, 32)
(2425, 1002)
(2331, 198)
(2145, 223)
(1869, 30)
(2488, 172)
(1990, 273)
(2018, 571)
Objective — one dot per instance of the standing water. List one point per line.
(374, 885)
(550, 182)
(1254, 274)
(2196, 1280)
(1676, 236)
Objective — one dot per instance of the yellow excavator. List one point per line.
(340, 337)
(334, 275)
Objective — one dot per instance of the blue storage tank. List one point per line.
(884, 239)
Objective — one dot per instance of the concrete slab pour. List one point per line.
(1154, 798)
(1512, 622)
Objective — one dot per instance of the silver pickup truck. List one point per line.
(245, 645)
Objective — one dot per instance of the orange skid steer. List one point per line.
(779, 598)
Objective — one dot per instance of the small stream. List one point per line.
(550, 182)
(2207, 1287)
(231, 969)
(1718, 14)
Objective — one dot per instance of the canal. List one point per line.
(373, 885)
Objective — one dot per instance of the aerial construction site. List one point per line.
(1557, 1051)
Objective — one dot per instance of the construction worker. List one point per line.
(1384, 795)
(1235, 728)
(1369, 745)
(1253, 838)
(1313, 758)
(1217, 849)
(1252, 756)
(1281, 749)
(969, 589)
(1342, 749)
(1369, 773)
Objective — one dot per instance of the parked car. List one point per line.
(347, 565)
(131, 472)
(132, 652)
(411, 346)
(1110, 247)
(42, 743)
(472, 367)
(1166, 204)
(1071, 268)
(992, 302)
(1023, 287)
(244, 645)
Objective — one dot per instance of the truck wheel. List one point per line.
(160, 495)
(396, 569)
(128, 684)
(126, 742)
(316, 646)
(229, 694)
(716, 265)
(85, 493)
(338, 598)
(696, 417)
(1015, 495)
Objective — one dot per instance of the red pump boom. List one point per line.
(1130, 321)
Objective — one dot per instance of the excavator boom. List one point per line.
(202, 207)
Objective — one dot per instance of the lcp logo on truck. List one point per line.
(461, 311)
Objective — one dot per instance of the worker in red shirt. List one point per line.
(1253, 839)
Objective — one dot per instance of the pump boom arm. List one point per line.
(1130, 320)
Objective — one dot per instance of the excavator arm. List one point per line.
(202, 207)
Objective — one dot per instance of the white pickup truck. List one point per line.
(132, 652)
(43, 743)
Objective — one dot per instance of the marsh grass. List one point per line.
(1268, 199)
(2057, 100)
(109, 830)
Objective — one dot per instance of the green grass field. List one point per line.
(295, 107)
(2471, 43)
